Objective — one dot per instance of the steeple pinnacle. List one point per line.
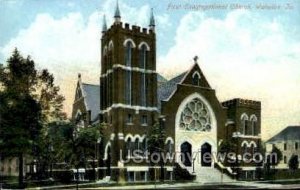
(104, 25)
(152, 21)
(117, 13)
(196, 59)
(79, 77)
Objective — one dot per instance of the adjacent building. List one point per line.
(288, 142)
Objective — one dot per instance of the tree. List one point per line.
(156, 139)
(65, 142)
(273, 159)
(85, 142)
(294, 162)
(229, 146)
(276, 156)
(29, 99)
(56, 146)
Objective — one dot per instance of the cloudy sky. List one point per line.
(248, 53)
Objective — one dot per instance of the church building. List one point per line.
(132, 98)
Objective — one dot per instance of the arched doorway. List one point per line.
(206, 156)
(186, 153)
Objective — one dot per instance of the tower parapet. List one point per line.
(242, 102)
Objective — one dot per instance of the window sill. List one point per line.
(136, 157)
(237, 134)
(144, 124)
(129, 124)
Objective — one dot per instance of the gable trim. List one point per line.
(186, 74)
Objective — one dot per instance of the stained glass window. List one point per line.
(195, 117)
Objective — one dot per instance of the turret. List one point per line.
(117, 14)
(152, 21)
(104, 25)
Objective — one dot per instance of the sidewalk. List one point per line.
(99, 185)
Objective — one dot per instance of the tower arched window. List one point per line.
(128, 63)
(108, 90)
(105, 63)
(143, 57)
(128, 53)
(143, 97)
(128, 87)
(109, 76)
(110, 59)
(110, 54)
(244, 124)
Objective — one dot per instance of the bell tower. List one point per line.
(128, 86)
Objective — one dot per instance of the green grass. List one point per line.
(283, 174)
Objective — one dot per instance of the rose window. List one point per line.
(195, 117)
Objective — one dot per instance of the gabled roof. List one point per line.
(161, 79)
(195, 69)
(91, 95)
(289, 133)
(165, 90)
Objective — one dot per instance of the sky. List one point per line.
(244, 51)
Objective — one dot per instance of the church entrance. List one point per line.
(206, 156)
(186, 154)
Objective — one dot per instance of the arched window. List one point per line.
(109, 77)
(253, 146)
(128, 53)
(252, 149)
(128, 147)
(143, 97)
(107, 91)
(244, 124)
(110, 59)
(128, 87)
(105, 60)
(144, 145)
(143, 56)
(244, 148)
(79, 120)
(137, 145)
(196, 79)
(169, 147)
(128, 63)
(253, 120)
